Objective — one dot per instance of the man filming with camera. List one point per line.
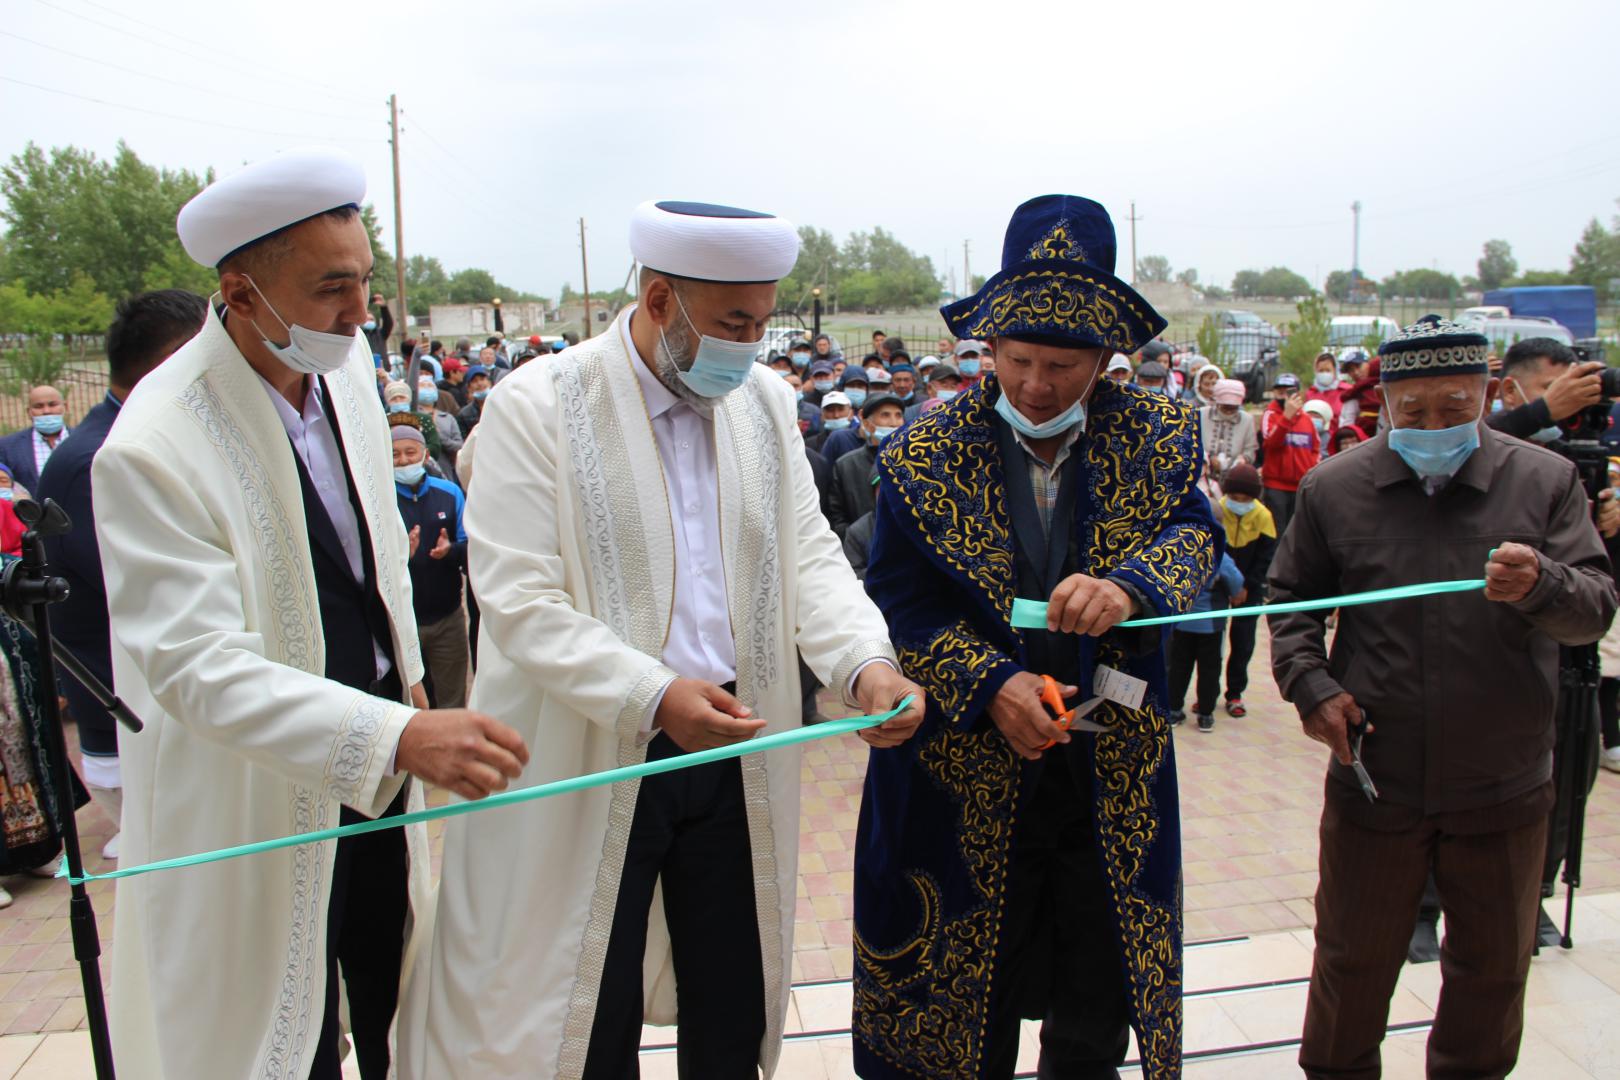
(1546, 384)
(1454, 696)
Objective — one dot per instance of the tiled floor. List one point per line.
(1251, 794)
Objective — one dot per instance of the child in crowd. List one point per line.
(1251, 541)
(1198, 644)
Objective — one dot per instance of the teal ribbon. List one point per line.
(825, 730)
(1031, 614)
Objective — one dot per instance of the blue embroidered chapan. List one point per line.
(939, 813)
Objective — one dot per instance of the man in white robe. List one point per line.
(648, 551)
(262, 628)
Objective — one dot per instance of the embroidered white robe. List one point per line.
(220, 970)
(571, 552)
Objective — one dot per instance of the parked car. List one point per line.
(779, 339)
(1347, 330)
(1245, 338)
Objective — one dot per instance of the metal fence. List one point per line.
(83, 386)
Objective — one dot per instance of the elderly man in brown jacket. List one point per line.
(1458, 692)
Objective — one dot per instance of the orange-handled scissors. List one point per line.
(1065, 717)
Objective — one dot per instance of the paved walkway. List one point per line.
(1251, 795)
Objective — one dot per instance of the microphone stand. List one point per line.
(26, 593)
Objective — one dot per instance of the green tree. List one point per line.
(818, 266)
(1306, 336)
(1246, 284)
(1421, 284)
(1337, 286)
(1542, 277)
(73, 213)
(1282, 282)
(1596, 259)
(1188, 277)
(1153, 269)
(384, 278)
(1212, 344)
(1496, 264)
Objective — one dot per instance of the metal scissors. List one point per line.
(1068, 719)
(1357, 731)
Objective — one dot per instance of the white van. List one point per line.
(1504, 332)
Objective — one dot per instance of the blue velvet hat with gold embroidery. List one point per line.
(1057, 283)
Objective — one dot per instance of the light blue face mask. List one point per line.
(480, 395)
(800, 361)
(946, 395)
(410, 475)
(969, 368)
(49, 424)
(838, 424)
(399, 406)
(428, 397)
(1063, 421)
(822, 385)
(720, 366)
(798, 395)
(857, 398)
(1436, 453)
(1238, 508)
(1547, 435)
(881, 433)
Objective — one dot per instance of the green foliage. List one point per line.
(1542, 277)
(1374, 338)
(1279, 281)
(1153, 269)
(1212, 344)
(1188, 277)
(72, 213)
(1596, 260)
(1337, 287)
(1421, 284)
(383, 277)
(1215, 292)
(1306, 336)
(1496, 265)
(77, 309)
(870, 271)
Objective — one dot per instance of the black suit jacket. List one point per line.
(17, 455)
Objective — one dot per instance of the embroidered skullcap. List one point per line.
(266, 197)
(705, 242)
(1433, 346)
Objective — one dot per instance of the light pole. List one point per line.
(1355, 252)
(815, 293)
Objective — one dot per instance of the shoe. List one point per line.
(1206, 721)
(1176, 717)
(109, 850)
(1611, 759)
(1235, 707)
(5, 897)
(48, 870)
(1424, 947)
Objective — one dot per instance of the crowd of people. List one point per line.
(647, 535)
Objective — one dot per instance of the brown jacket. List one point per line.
(1460, 689)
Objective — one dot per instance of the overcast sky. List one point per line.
(1243, 131)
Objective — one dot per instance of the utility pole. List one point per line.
(967, 273)
(1355, 251)
(1133, 220)
(399, 231)
(585, 275)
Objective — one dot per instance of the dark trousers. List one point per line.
(1240, 637)
(1062, 964)
(1281, 505)
(1190, 650)
(1609, 711)
(690, 832)
(1366, 905)
(365, 941)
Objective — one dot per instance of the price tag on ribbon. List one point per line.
(1118, 687)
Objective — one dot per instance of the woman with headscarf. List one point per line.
(1201, 379)
(1229, 432)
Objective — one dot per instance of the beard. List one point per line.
(675, 353)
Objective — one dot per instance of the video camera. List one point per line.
(1580, 441)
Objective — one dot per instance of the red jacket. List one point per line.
(11, 530)
(1291, 449)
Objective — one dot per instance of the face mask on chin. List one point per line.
(309, 352)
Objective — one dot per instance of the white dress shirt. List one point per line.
(43, 450)
(700, 643)
(312, 437)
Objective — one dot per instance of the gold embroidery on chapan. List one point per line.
(1142, 458)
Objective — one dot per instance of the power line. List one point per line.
(345, 117)
(478, 178)
(184, 119)
(217, 60)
